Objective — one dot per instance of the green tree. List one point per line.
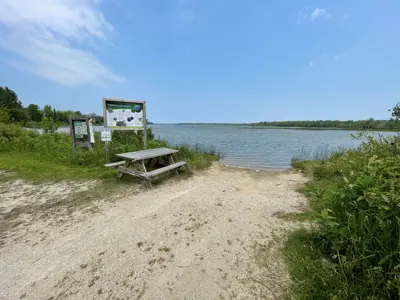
(9, 99)
(19, 115)
(4, 115)
(396, 111)
(48, 125)
(48, 111)
(34, 112)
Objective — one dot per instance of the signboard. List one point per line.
(81, 132)
(78, 129)
(106, 136)
(122, 114)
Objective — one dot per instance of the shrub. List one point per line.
(356, 197)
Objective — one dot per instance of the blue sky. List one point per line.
(203, 60)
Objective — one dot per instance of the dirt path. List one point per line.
(212, 236)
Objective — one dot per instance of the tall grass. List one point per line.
(356, 199)
(320, 153)
(57, 148)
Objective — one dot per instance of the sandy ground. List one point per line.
(214, 235)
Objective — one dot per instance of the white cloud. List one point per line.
(316, 13)
(54, 38)
(319, 13)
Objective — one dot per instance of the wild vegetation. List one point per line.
(51, 155)
(352, 251)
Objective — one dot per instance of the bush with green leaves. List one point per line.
(356, 198)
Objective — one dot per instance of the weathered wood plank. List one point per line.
(131, 172)
(164, 169)
(145, 154)
(115, 164)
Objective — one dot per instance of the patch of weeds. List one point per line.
(164, 249)
(313, 276)
(299, 217)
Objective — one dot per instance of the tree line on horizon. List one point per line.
(371, 123)
(350, 124)
(12, 110)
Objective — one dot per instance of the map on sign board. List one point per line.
(81, 132)
(80, 129)
(124, 114)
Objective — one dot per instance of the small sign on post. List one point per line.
(106, 136)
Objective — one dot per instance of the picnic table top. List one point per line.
(145, 154)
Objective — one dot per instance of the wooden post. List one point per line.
(72, 133)
(144, 126)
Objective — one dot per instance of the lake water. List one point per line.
(256, 147)
(262, 148)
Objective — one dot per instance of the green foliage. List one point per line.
(314, 276)
(48, 111)
(56, 149)
(48, 125)
(351, 125)
(9, 99)
(18, 115)
(396, 111)
(34, 112)
(4, 115)
(11, 131)
(356, 199)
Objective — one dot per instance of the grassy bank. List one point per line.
(353, 248)
(50, 155)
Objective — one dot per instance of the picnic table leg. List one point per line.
(126, 165)
(144, 170)
(171, 161)
(153, 162)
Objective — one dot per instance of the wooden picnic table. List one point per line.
(134, 163)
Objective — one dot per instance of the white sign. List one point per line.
(106, 136)
(124, 114)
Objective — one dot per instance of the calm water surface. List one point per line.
(261, 148)
(245, 146)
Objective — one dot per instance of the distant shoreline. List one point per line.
(288, 127)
